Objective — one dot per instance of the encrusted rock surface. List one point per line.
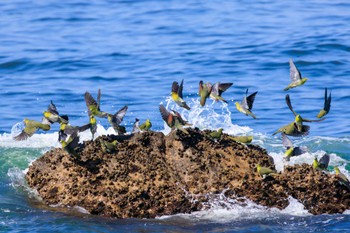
(152, 175)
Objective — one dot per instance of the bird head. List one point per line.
(237, 104)
(298, 119)
(148, 121)
(47, 114)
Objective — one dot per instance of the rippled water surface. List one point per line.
(133, 51)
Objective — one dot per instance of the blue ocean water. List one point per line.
(133, 51)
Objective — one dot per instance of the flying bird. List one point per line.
(51, 115)
(327, 104)
(342, 178)
(176, 94)
(117, 118)
(321, 164)
(291, 150)
(292, 130)
(295, 76)
(204, 92)
(217, 89)
(31, 127)
(173, 119)
(93, 106)
(246, 105)
(71, 144)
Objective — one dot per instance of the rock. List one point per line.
(151, 175)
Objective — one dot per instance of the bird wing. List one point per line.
(307, 120)
(165, 115)
(22, 136)
(45, 121)
(62, 136)
(73, 140)
(290, 104)
(179, 92)
(324, 161)
(244, 102)
(84, 127)
(327, 101)
(223, 87)
(286, 141)
(215, 89)
(250, 99)
(98, 99)
(118, 116)
(52, 108)
(295, 74)
(175, 87)
(299, 150)
(89, 100)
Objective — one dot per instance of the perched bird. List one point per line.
(216, 134)
(30, 128)
(52, 116)
(204, 92)
(71, 144)
(295, 76)
(265, 171)
(246, 105)
(146, 126)
(117, 118)
(108, 147)
(93, 125)
(342, 178)
(298, 119)
(292, 130)
(321, 164)
(217, 89)
(176, 94)
(136, 127)
(242, 139)
(173, 119)
(327, 105)
(291, 150)
(93, 106)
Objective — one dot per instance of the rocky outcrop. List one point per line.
(152, 175)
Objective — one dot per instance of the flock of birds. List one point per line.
(69, 135)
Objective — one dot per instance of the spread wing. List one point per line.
(287, 143)
(98, 99)
(324, 161)
(299, 150)
(84, 127)
(90, 101)
(166, 115)
(118, 116)
(250, 99)
(52, 108)
(73, 140)
(295, 74)
(290, 104)
(179, 92)
(215, 89)
(223, 87)
(327, 101)
(22, 136)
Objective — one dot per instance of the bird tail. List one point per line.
(186, 106)
(277, 131)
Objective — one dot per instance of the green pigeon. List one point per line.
(265, 171)
(173, 119)
(291, 150)
(117, 118)
(295, 76)
(108, 147)
(246, 105)
(217, 89)
(51, 115)
(321, 164)
(242, 139)
(146, 126)
(176, 94)
(93, 126)
(216, 134)
(71, 144)
(204, 92)
(298, 119)
(327, 104)
(30, 129)
(292, 130)
(93, 106)
(136, 126)
(342, 178)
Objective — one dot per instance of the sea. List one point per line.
(133, 51)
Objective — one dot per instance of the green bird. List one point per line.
(216, 134)
(326, 106)
(217, 89)
(51, 115)
(265, 171)
(204, 92)
(176, 94)
(66, 129)
(136, 126)
(117, 118)
(246, 105)
(295, 76)
(291, 150)
(173, 119)
(108, 147)
(292, 130)
(242, 139)
(321, 164)
(31, 127)
(298, 119)
(71, 144)
(146, 126)
(93, 106)
(342, 178)
(93, 126)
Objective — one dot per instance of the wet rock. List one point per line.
(151, 175)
